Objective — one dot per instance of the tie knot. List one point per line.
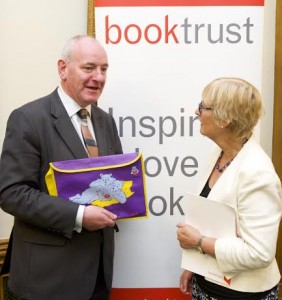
(82, 113)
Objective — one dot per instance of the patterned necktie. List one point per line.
(89, 141)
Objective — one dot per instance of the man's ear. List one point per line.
(62, 69)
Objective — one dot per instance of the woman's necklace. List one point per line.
(218, 168)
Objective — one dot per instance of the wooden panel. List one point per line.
(277, 115)
(277, 123)
(3, 249)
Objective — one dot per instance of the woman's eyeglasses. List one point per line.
(201, 107)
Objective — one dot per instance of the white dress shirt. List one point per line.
(72, 109)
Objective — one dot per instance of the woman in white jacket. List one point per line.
(239, 174)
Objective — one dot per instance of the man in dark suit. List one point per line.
(60, 250)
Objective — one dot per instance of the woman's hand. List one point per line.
(185, 282)
(188, 236)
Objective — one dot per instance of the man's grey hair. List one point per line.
(69, 45)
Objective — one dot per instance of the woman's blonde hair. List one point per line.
(236, 102)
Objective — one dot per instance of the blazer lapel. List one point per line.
(65, 128)
(208, 167)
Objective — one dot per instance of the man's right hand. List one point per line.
(95, 218)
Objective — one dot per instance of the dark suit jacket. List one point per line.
(49, 259)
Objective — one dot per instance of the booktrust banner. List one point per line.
(162, 53)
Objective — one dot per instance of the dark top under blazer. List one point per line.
(49, 259)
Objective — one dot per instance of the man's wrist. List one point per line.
(79, 217)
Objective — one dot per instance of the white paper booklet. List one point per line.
(212, 219)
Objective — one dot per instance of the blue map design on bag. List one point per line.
(104, 189)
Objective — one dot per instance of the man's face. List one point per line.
(83, 78)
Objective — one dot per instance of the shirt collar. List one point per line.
(71, 106)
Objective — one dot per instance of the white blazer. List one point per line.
(251, 186)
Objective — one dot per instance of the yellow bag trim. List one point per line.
(51, 183)
(96, 168)
(145, 196)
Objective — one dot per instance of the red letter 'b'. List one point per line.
(118, 38)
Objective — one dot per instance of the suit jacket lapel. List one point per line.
(65, 128)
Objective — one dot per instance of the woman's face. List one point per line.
(208, 126)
